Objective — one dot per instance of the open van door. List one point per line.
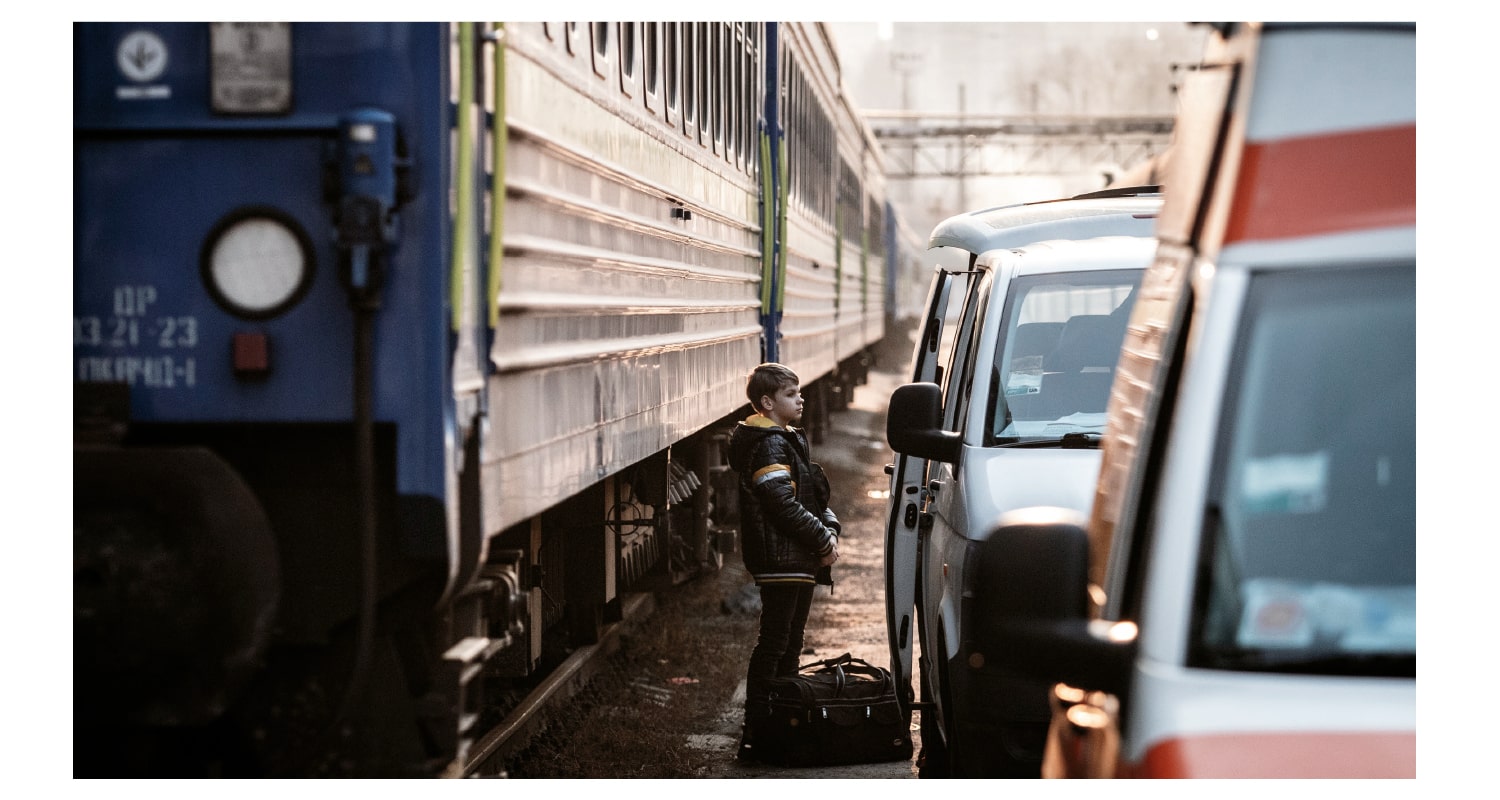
(908, 484)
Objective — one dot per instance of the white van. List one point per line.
(1240, 601)
(1005, 409)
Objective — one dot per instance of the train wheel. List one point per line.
(175, 584)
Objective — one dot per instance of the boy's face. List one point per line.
(783, 408)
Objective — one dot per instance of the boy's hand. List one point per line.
(827, 561)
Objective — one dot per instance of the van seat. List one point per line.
(1034, 339)
(1080, 369)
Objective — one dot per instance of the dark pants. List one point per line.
(778, 651)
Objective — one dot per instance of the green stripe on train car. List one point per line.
(497, 183)
(465, 178)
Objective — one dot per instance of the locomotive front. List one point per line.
(261, 347)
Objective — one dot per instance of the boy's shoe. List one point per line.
(746, 751)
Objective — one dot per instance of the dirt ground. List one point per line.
(670, 707)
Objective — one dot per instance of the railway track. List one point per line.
(490, 753)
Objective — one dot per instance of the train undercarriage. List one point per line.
(218, 628)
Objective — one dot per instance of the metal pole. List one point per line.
(963, 167)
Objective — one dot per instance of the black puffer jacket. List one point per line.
(785, 523)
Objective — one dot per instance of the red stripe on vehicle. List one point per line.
(1326, 184)
(1284, 755)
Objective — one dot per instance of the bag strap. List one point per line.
(860, 667)
(846, 658)
(843, 667)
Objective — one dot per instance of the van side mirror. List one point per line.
(1033, 608)
(913, 424)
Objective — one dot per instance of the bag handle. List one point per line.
(843, 668)
(845, 663)
(846, 658)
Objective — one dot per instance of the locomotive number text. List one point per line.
(163, 332)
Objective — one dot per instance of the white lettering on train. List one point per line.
(131, 301)
(152, 372)
(118, 332)
(131, 327)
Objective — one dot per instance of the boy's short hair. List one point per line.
(768, 379)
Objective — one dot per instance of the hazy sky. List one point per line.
(1011, 68)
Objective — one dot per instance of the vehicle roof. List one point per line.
(1128, 211)
(1079, 255)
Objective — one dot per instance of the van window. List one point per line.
(1054, 366)
(1309, 552)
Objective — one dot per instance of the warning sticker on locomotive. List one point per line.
(142, 57)
(252, 67)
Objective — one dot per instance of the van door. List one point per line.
(908, 484)
(942, 526)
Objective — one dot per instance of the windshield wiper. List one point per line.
(1081, 440)
(1077, 440)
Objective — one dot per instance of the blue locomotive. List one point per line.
(403, 351)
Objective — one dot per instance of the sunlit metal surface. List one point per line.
(622, 328)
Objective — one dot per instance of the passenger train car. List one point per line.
(404, 351)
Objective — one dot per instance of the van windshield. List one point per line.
(1056, 360)
(1310, 535)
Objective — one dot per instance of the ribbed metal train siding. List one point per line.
(808, 324)
(622, 329)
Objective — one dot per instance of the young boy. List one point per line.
(787, 531)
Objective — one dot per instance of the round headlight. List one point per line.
(257, 263)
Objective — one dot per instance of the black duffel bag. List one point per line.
(837, 711)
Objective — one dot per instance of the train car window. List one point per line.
(813, 169)
(726, 88)
(816, 157)
(792, 121)
(720, 84)
(732, 92)
(573, 36)
(737, 54)
(671, 69)
(630, 69)
(549, 31)
(742, 55)
(603, 48)
(651, 73)
(845, 219)
(828, 156)
(806, 166)
(704, 68)
(806, 145)
(690, 78)
(749, 79)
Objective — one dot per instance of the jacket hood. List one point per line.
(746, 435)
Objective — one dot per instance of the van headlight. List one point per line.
(257, 263)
